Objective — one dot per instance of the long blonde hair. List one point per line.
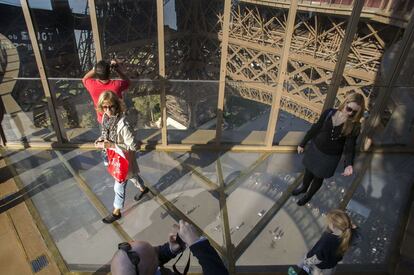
(114, 99)
(340, 220)
(350, 123)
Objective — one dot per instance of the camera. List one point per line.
(180, 242)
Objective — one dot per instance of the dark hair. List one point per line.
(102, 70)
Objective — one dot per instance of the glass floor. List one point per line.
(241, 201)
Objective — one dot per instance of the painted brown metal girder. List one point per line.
(346, 46)
(385, 16)
(269, 90)
(161, 69)
(223, 69)
(363, 74)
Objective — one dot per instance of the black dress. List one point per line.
(326, 146)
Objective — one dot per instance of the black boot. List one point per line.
(316, 184)
(299, 190)
(139, 195)
(111, 218)
(307, 179)
(304, 200)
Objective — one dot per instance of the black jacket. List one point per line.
(206, 255)
(329, 140)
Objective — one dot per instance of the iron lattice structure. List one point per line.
(257, 31)
(255, 49)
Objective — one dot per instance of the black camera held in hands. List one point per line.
(114, 65)
(180, 242)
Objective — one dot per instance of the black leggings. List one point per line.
(309, 178)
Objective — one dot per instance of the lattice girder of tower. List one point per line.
(255, 47)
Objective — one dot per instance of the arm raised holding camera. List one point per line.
(200, 247)
(119, 70)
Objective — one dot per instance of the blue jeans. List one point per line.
(119, 189)
(138, 181)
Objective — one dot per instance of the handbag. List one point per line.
(118, 163)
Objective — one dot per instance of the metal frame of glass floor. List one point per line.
(240, 201)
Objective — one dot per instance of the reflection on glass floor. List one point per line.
(241, 201)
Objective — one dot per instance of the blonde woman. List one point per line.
(331, 247)
(117, 133)
(334, 134)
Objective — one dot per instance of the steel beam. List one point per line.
(346, 44)
(95, 30)
(385, 91)
(277, 95)
(223, 69)
(224, 216)
(41, 67)
(161, 69)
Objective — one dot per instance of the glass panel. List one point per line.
(259, 191)
(26, 115)
(275, 241)
(75, 111)
(313, 54)
(333, 189)
(192, 38)
(396, 123)
(372, 52)
(255, 46)
(191, 111)
(19, 57)
(68, 214)
(64, 36)
(379, 225)
(153, 218)
(77, 115)
(143, 102)
(129, 34)
(246, 113)
(387, 182)
(202, 163)
(235, 165)
(197, 203)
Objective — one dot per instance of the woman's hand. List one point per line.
(300, 149)
(172, 240)
(99, 144)
(104, 144)
(188, 233)
(348, 171)
(108, 144)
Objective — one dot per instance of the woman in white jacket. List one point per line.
(116, 132)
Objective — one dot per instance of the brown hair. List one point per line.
(350, 123)
(340, 220)
(114, 99)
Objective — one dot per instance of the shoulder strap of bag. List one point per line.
(329, 115)
(187, 266)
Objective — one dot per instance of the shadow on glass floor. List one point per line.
(72, 191)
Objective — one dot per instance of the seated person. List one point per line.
(144, 259)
